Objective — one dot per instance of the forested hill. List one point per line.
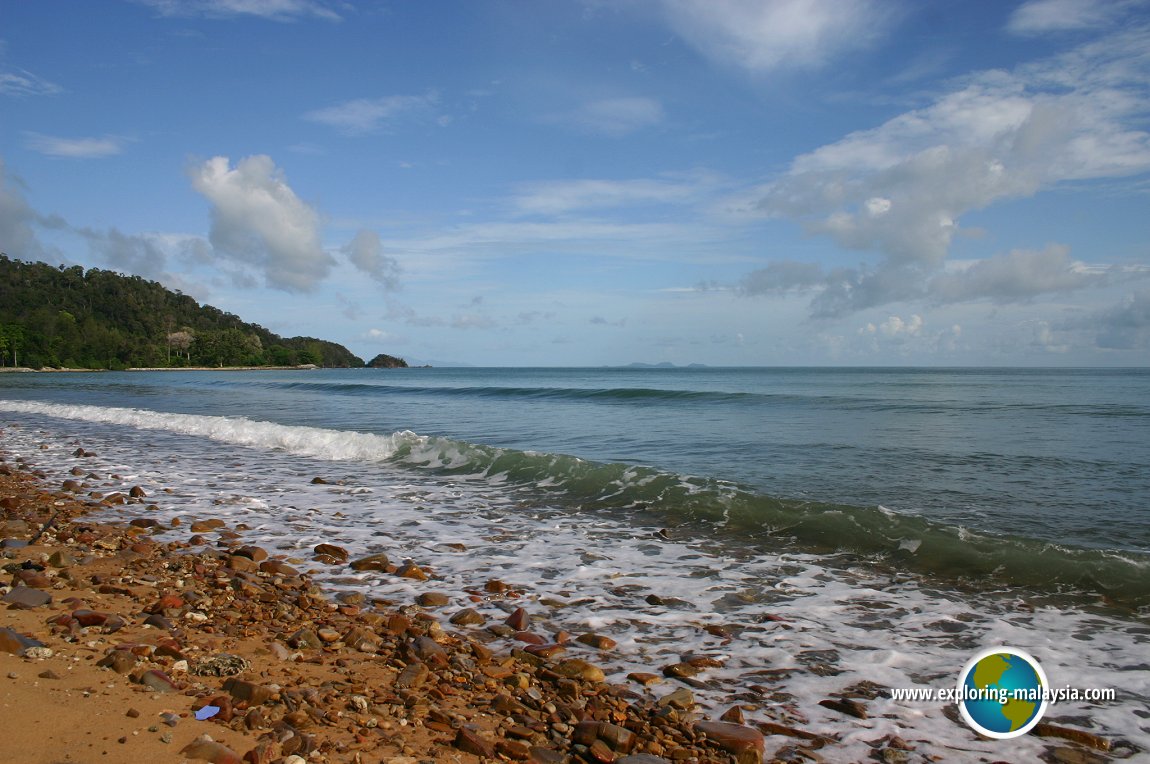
(95, 319)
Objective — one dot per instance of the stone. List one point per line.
(1082, 737)
(34, 578)
(371, 562)
(597, 641)
(331, 552)
(518, 620)
(468, 617)
(429, 651)
(576, 668)
(305, 639)
(62, 558)
(411, 570)
(432, 599)
(158, 681)
(470, 742)
(13, 642)
(681, 699)
(642, 758)
(242, 563)
(120, 661)
(204, 748)
(25, 598)
(204, 526)
(680, 670)
(278, 568)
(253, 553)
(412, 676)
(136, 492)
(847, 706)
(361, 639)
(540, 755)
(250, 692)
(746, 743)
(734, 715)
(513, 749)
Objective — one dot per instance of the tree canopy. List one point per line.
(97, 319)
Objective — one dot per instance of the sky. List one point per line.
(600, 182)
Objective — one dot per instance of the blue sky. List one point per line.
(779, 182)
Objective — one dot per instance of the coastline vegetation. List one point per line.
(61, 317)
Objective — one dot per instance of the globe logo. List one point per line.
(1002, 692)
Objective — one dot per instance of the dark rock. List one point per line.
(597, 641)
(412, 676)
(429, 651)
(846, 706)
(305, 639)
(540, 755)
(120, 661)
(432, 599)
(580, 669)
(470, 742)
(24, 598)
(745, 743)
(278, 568)
(16, 643)
(468, 617)
(518, 620)
(371, 562)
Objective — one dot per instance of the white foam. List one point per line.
(791, 611)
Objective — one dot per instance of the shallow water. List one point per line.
(805, 625)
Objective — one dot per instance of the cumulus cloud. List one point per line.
(17, 219)
(260, 222)
(764, 35)
(365, 252)
(1016, 276)
(24, 83)
(75, 148)
(368, 115)
(614, 117)
(139, 254)
(1125, 326)
(273, 10)
(901, 189)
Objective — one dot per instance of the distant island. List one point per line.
(385, 361)
(59, 317)
(664, 365)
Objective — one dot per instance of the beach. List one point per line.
(112, 646)
(588, 593)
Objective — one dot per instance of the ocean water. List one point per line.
(842, 525)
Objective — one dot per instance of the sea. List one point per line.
(819, 531)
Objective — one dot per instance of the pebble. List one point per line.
(468, 617)
(371, 562)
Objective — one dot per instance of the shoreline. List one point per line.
(343, 676)
(47, 370)
(128, 640)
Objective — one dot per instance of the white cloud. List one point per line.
(764, 35)
(1018, 275)
(1125, 326)
(1042, 16)
(274, 10)
(558, 197)
(614, 117)
(75, 148)
(365, 252)
(258, 220)
(24, 83)
(369, 115)
(17, 218)
(901, 189)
